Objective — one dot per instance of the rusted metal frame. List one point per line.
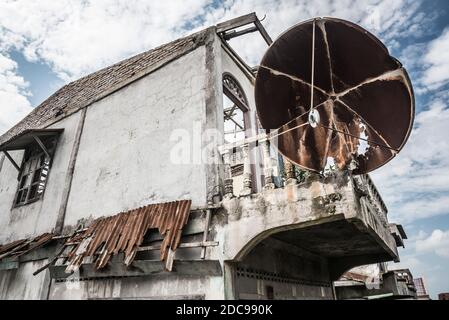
(206, 232)
(12, 160)
(42, 146)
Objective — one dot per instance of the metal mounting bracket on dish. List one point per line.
(314, 118)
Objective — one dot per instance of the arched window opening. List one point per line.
(235, 106)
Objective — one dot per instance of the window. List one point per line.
(235, 107)
(34, 171)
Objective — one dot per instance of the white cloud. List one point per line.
(14, 104)
(437, 242)
(437, 60)
(390, 20)
(77, 37)
(415, 185)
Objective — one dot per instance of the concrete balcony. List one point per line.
(340, 220)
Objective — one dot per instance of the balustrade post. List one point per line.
(247, 177)
(290, 175)
(268, 168)
(228, 181)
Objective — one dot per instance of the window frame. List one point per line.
(235, 93)
(35, 159)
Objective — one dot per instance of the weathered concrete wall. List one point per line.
(20, 283)
(38, 217)
(124, 155)
(151, 287)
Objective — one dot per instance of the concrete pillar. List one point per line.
(247, 178)
(268, 169)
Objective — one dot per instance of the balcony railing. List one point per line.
(254, 161)
(370, 199)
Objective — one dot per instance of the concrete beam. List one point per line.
(141, 268)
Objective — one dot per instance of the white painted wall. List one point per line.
(124, 154)
(38, 217)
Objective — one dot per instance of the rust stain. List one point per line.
(124, 232)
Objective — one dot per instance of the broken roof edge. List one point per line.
(199, 38)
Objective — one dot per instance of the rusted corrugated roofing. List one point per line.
(23, 246)
(125, 232)
(91, 88)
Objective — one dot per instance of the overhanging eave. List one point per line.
(27, 137)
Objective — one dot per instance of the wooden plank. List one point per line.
(236, 22)
(12, 160)
(263, 32)
(194, 226)
(143, 268)
(42, 146)
(69, 174)
(170, 259)
(206, 232)
(9, 264)
(182, 245)
(234, 34)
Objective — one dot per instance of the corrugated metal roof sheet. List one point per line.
(23, 246)
(125, 232)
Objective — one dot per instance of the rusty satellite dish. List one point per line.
(346, 100)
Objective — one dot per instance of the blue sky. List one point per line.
(44, 44)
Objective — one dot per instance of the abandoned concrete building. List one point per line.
(93, 205)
